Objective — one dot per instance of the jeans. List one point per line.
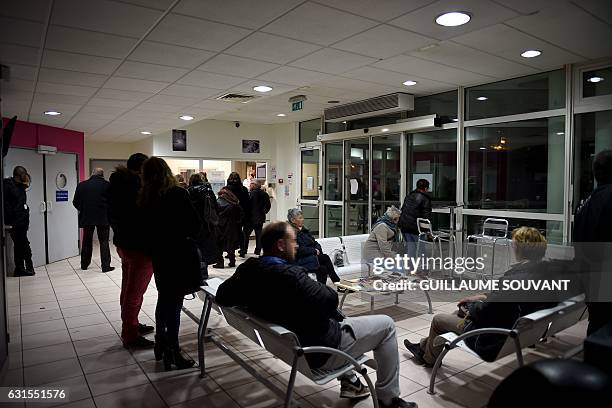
(87, 248)
(326, 268)
(168, 316)
(247, 234)
(365, 333)
(136, 272)
(21, 246)
(432, 345)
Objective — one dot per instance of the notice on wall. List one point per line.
(286, 191)
(61, 195)
(309, 183)
(354, 186)
(272, 172)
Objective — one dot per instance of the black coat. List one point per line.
(16, 210)
(91, 200)
(306, 254)
(259, 205)
(170, 221)
(242, 194)
(230, 221)
(124, 216)
(285, 295)
(204, 201)
(593, 220)
(416, 205)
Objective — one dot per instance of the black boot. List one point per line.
(174, 356)
(159, 347)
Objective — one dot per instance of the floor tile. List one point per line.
(144, 396)
(49, 339)
(87, 332)
(41, 316)
(185, 387)
(77, 388)
(48, 372)
(98, 345)
(81, 310)
(48, 354)
(42, 327)
(103, 382)
(217, 400)
(87, 320)
(92, 363)
(86, 403)
(254, 395)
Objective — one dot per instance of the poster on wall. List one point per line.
(179, 140)
(427, 176)
(250, 146)
(261, 171)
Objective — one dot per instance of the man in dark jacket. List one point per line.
(593, 241)
(91, 201)
(128, 236)
(274, 289)
(417, 204)
(17, 215)
(259, 206)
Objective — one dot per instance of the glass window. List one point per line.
(433, 156)
(552, 230)
(442, 104)
(333, 127)
(516, 165)
(310, 174)
(311, 219)
(593, 133)
(309, 130)
(532, 93)
(357, 154)
(333, 221)
(385, 174)
(597, 82)
(333, 171)
(372, 121)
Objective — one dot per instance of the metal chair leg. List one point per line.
(436, 367)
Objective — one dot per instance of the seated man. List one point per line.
(275, 290)
(499, 309)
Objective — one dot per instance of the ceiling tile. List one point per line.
(53, 99)
(104, 16)
(394, 79)
(509, 43)
(156, 4)
(19, 85)
(459, 56)
(375, 9)
(41, 104)
(251, 14)
(164, 54)
(17, 54)
(12, 95)
(210, 80)
(529, 6)
(131, 84)
(25, 72)
(71, 77)
(151, 72)
(190, 91)
(110, 103)
(318, 24)
(103, 110)
(354, 85)
(247, 87)
(231, 65)
(79, 62)
(193, 32)
(21, 32)
(156, 107)
(431, 70)
(122, 95)
(65, 89)
(293, 76)
(214, 105)
(384, 41)
(83, 116)
(179, 101)
(35, 10)
(599, 8)
(16, 108)
(484, 13)
(88, 42)
(584, 38)
(332, 61)
(271, 48)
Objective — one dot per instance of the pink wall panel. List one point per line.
(30, 135)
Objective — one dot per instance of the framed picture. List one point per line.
(250, 146)
(179, 140)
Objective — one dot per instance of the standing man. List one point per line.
(417, 204)
(17, 215)
(91, 201)
(128, 236)
(259, 205)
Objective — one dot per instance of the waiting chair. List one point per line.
(425, 231)
(493, 230)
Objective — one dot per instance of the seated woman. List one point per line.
(309, 253)
(498, 309)
(385, 234)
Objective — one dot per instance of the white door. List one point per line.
(62, 221)
(33, 162)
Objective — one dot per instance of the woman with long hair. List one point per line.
(230, 227)
(171, 222)
(234, 184)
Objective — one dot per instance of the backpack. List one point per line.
(338, 257)
(210, 208)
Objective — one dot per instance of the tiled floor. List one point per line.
(64, 326)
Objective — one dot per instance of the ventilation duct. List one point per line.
(370, 107)
(236, 98)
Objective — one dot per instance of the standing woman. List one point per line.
(229, 232)
(171, 224)
(234, 184)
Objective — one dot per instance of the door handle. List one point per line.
(42, 207)
(49, 206)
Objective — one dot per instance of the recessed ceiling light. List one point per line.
(385, 130)
(145, 132)
(409, 83)
(453, 19)
(483, 148)
(186, 117)
(595, 79)
(281, 115)
(482, 98)
(531, 53)
(53, 113)
(262, 88)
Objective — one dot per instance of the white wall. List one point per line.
(115, 151)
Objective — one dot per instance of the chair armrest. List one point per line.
(477, 332)
(328, 350)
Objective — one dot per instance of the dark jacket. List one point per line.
(416, 205)
(230, 221)
(259, 206)
(205, 203)
(593, 220)
(170, 222)
(16, 210)
(242, 194)
(91, 200)
(306, 255)
(285, 295)
(124, 216)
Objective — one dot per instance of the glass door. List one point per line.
(385, 174)
(356, 186)
(310, 187)
(334, 186)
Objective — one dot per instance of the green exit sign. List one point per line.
(295, 106)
